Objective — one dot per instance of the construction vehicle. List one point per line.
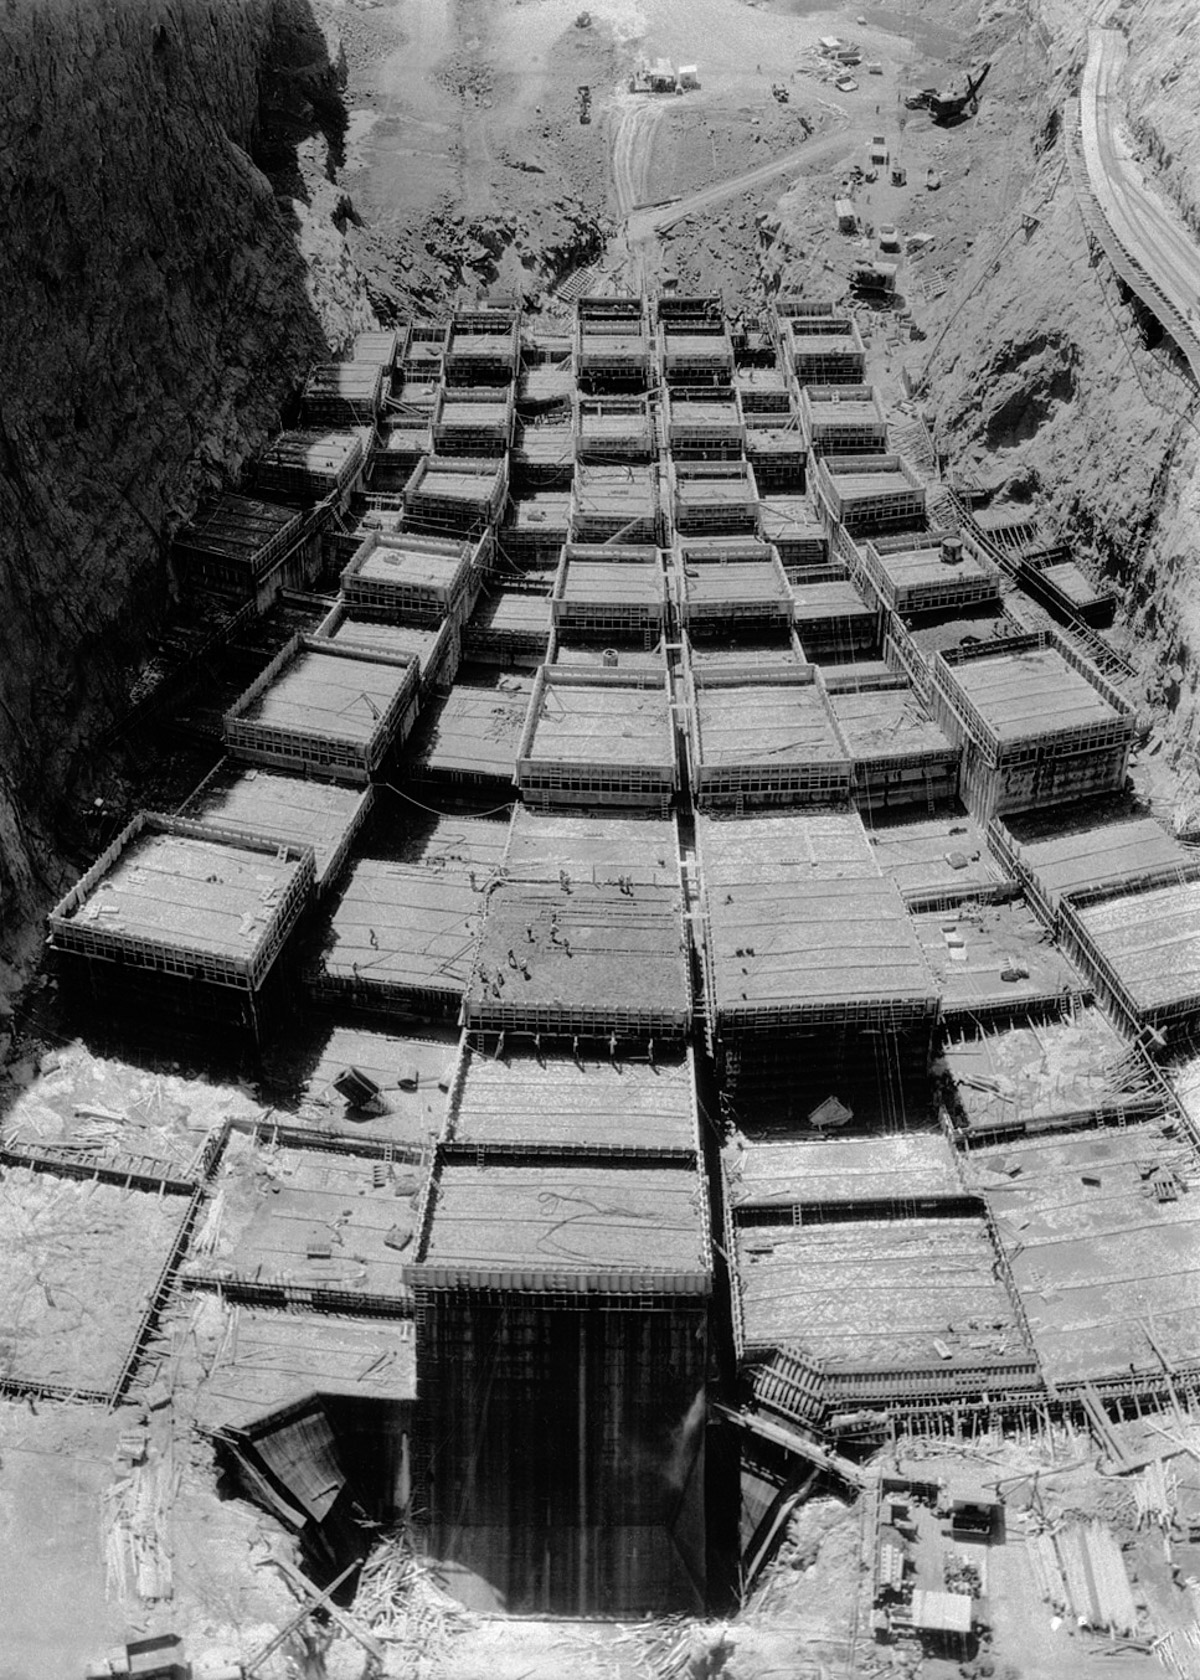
(585, 103)
(899, 175)
(780, 93)
(875, 278)
(949, 108)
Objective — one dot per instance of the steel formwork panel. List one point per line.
(183, 898)
(843, 419)
(1090, 849)
(713, 498)
(700, 424)
(318, 814)
(325, 707)
(691, 357)
(474, 734)
(825, 352)
(763, 390)
(764, 734)
(613, 429)
(238, 539)
(599, 847)
(900, 755)
(457, 493)
(435, 648)
(615, 503)
(381, 348)
(474, 421)
(738, 587)
(480, 345)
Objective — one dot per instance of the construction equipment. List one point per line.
(949, 108)
(899, 175)
(780, 93)
(875, 277)
(585, 103)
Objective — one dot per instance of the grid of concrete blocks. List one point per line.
(724, 765)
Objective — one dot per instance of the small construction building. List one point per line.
(239, 544)
(899, 756)
(412, 578)
(792, 525)
(474, 420)
(994, 961)
(325, 708)
(713, 498)
(610, 590)
(703, 426)
(1139, 941)
(843, 420)
(933, 572)
(455, 495)
(763, 734)
(832, 617)
(511, 623)
(322, 815)
(598, 737)
(1076, 850)
(612, 503)
(403, 932)
(536, 525)
(470, 739)
(869, 493)
(434, 648)
(733, 586)
(343, 394)
(310, 466)
(185, 915)
(1037, 724)
(483, 346)
(614, 429)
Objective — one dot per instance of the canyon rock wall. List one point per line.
(158, 309)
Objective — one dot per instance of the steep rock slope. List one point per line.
(1055, 385)
(156, 313)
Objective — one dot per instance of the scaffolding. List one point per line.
(763, 734)
(325, 708)
(189, 900)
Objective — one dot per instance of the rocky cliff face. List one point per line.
(1050, 379)
(157, 309)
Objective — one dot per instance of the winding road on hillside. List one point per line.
(1147, 229)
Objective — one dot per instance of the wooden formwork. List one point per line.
(786, 748)
(308, 465)
(483, 347)
(474, 420)
(616, 503)
(343, 394)
(732, 586)
(713, 498)
(238, 540)
(418, 578)
(606, 765)
(927, 572)
(614, 429)
(843, 420)
(78, 922)
(1137, 940)
(605, 590)
(456, 496)
(351, 750)
(870, 492)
